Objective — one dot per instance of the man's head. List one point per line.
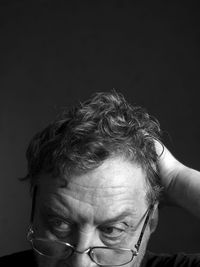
(95, 168)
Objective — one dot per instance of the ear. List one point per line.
(154, 218)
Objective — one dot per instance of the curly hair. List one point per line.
(83, 137)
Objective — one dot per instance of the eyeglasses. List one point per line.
(103, 256)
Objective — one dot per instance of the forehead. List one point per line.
(116, 184)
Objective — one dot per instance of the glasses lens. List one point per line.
(110, 257)
(52, 248)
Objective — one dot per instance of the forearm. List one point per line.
(184, 190)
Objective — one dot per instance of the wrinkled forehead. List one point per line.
(115, 178)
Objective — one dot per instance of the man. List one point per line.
(97, 173)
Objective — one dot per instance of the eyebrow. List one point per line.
(121, 216)
(63, 214)
(50, 209)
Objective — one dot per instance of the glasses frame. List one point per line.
(30, 238)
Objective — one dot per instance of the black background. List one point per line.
(55, 53)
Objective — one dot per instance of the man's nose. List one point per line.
(83, 239)
(80, 258)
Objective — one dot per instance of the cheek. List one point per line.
(39, 226)
(129, 241)
(154, 221)
(143, 246)
(44, 262)
(142, 250)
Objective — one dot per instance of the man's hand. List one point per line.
(168, 165)
(181, 184)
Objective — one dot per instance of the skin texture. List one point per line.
(104, 207)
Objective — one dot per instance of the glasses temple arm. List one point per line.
(33, 203)
(137, 246)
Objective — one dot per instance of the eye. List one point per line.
(58, 224)
(112, 231)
